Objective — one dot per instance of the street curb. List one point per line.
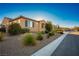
(50, 48)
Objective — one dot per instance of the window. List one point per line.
(26, 23)
(32, 24)
(42, 25)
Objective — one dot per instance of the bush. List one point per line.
(1, 36)
(42, 32)
(50, 34)
(3, 29)
(61, 32)
(24, 30)
(39, 36)
(29, 40)
(14, 29)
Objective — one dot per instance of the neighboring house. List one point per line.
(33, 25)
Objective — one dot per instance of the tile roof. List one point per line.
(10, 19)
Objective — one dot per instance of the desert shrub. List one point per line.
(61, 32)
(48, 27)
(29, 40)
(3, 29)
(39, 36)
(1, 36)
(24, 30)
(42, 32)
(50, 34)
(14, 29)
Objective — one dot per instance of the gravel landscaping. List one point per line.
(12, 45)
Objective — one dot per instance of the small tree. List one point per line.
(48, 27)
(14, 29)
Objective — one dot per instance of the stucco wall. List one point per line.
(37, 24)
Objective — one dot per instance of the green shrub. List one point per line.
(39, 36)
(1, 36)
(42, 32)
(50, 34)
(14, 29)
(2, 29)
(29, 40)
(24, 30)
(61, 32)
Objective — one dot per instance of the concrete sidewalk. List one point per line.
(50, 48)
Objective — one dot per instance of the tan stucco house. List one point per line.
(33, 25)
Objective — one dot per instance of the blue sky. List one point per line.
(63, 14)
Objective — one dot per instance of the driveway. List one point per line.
(69, 46)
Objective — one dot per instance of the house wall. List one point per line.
(21, 21)
(37, 24)
(35, 28)
(41, 26)
(5, 22)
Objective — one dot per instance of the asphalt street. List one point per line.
(68, 47)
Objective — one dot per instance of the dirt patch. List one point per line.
(12, 46)
(75, 33)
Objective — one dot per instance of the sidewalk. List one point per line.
(50, 48)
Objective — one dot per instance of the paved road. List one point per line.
(68, 47)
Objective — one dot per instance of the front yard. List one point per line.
(22, 42)
(13, 46)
